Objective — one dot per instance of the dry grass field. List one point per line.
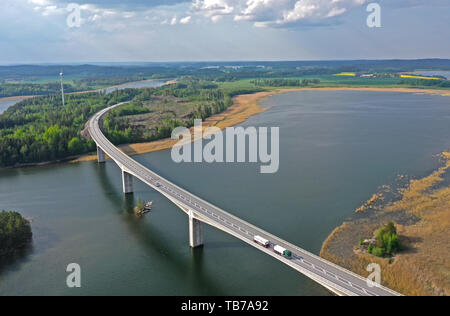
(422, 215)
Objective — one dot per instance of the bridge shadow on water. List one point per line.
(152, 239)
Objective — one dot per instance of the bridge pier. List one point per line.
(100, 155)
(195, 231)
(127, 182)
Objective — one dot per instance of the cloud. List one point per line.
(287, 13)
(215, 9)
(40, 2)
(276, 13)
(112, 16)
(186, 20)
(125, 5)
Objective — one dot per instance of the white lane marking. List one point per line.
(357, 287)
(342, 280)
(319, 269)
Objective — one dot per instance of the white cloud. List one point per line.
(274, 12)
(40, 2)
(214, 8)
(186, 20)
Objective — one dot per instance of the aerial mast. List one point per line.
(61, 74)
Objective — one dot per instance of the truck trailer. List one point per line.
(283, 252)
(262, 241)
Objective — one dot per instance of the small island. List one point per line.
(385, 243)
(15, 232)
(142, 208)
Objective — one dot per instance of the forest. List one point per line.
(426, 83)
(189, 100)
(25, 89)
(15, 232)
(76, 85)
(285, 82)
(41, 129)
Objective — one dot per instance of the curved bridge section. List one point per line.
(336, 279)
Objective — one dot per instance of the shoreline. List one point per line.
(16, 98)
(119, 86)
(245, 106)
(421, 213)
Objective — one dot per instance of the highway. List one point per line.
(336, 279)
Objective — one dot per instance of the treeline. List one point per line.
(98, 82)
(15, 232)
(41, 129)
(285, 82)
(22, 89)
(426, 83)
(83, 84)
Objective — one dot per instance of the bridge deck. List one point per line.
(329, 275)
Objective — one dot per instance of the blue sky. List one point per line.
(36, 31)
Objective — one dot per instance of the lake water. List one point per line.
(5, 104)
(137, 85)
(336, 149)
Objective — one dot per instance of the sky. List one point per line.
(52, 31)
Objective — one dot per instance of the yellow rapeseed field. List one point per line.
(349, 74)
(419, 77)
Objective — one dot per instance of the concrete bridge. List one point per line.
(333, 277)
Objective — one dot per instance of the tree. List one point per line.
(75, 146)
(387, 242)
(15, 232)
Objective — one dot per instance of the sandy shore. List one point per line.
(16, 98)
(244, 106)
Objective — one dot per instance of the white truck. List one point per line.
(282, 252)
(262, 241)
